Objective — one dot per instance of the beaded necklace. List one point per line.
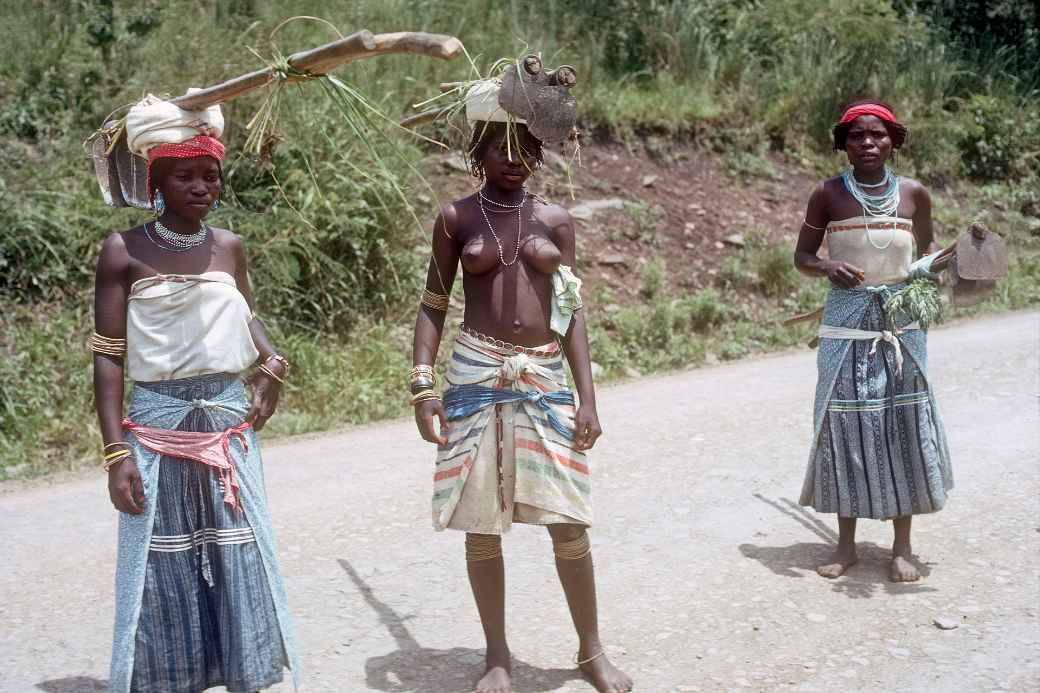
(882, 204)
(177, 242)
(519, 225)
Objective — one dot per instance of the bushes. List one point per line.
(999, 140)
(336, 252)
(761, 265)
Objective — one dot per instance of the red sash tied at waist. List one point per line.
(211, 449)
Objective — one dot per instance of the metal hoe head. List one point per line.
(980, 260)
(121, 175)
(542, 98)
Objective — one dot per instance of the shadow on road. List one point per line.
(798, 560)
(417, 669)
(74, 684)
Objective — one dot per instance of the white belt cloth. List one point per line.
(834, 332)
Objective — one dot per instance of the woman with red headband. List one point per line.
(199, 596)
(879, 448)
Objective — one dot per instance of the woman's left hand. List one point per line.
(586, 428)
(266, 391)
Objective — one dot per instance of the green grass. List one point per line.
(336, 252)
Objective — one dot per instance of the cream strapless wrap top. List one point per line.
(183, 325)
(883, 247)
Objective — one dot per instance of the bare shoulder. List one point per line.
(226, 238)
(914, 188)
(552, 214)
(830, 185)
(448, 219)
(449, 211)
(114, 249)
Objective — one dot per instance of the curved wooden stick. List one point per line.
(318, 61)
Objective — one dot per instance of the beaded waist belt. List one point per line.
(515, 348)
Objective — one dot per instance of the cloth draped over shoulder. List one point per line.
(566, 299)
(549, 474)
(156, 411)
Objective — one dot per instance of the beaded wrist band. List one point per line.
(434, 301)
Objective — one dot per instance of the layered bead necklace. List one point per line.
(519, 223)
(177, 242)
(882, 204)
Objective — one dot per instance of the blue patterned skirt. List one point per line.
(207, 615)
(879, 448)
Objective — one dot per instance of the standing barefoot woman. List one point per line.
(879, 447)
(511, 444)
(199, 596)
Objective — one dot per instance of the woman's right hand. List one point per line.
(844, 275)
(125, 487)
(426, 414)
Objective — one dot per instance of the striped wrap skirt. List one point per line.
(509, 456)
(207, 616)
(879, 448)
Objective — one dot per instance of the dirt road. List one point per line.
(705, 562)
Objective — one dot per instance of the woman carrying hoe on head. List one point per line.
(199, 597)
(879, 448)
(511, 444)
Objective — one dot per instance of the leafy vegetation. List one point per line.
(337, 251)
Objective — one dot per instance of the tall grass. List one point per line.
(336, 252)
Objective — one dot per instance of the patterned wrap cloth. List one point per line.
(214, 402)
(879, 446)
(523, 401)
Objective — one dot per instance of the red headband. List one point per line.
(874, 109)
(200, 145)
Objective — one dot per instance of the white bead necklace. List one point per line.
(177, 242)
(883, 204)
(503, 207)
(519, 226)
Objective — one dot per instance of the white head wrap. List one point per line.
(482, 103)
(153, 121)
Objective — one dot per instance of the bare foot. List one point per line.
(496, 676)
(843, 559)
(606, 677)
(903, 568)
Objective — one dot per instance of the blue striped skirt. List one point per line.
(880, 449)
(207, 615)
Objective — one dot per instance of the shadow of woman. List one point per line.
(413, 668)
(74, 684)
(801, 559)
